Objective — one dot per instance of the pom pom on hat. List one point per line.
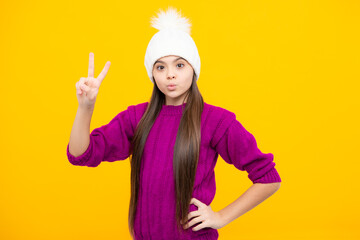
(171, 19)
(173, 38)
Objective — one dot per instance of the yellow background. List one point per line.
(289, 70)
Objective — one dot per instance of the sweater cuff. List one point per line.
(269, 177)
(83, 158)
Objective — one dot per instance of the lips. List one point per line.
(171, 87)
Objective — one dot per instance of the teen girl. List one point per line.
(173, 142)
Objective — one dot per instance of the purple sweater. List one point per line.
(221, 133)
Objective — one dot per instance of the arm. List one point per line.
(79, 137)
(86, 92)
(238, 146)
(252, 197)
(110, 142)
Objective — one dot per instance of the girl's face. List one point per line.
(173, 76)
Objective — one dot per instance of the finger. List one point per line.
(197, 202)
(104, 71)
(83, 80)
(84, 88)
(193, 222)
(91, 65)
(78, 90)
(200, 226)
(193, 214)
(79, 82)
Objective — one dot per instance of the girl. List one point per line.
(173, 142)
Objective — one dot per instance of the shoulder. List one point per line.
(217, 113)
(138, 109)
(132, 114)
(217, 121)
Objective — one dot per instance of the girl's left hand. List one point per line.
(204, 214)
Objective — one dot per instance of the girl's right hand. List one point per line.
(88, 88)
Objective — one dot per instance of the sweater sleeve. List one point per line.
(110, 142)
(237, 146)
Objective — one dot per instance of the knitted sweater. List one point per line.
(221, 134)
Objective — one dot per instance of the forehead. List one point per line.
(169, 58)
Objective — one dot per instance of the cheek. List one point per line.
(190, 74)
(156, 74)
(190, 79)
(160, 77)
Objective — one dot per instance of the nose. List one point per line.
(170, 75)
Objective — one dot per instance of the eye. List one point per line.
(180, 64)
(158, 67)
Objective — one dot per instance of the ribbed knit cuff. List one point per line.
(81, 159)
(269, 177)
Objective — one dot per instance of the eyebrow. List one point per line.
(158, 61)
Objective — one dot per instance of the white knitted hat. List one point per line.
(173, 38)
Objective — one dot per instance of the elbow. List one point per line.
(276, 185)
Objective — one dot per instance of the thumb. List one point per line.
(84, 87)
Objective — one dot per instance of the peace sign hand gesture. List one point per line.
(205, 216)
(88, 88)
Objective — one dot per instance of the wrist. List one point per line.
(222, 219)
(86, 108)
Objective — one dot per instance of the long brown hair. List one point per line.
(186, 150)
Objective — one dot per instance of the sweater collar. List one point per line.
(172, 109)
